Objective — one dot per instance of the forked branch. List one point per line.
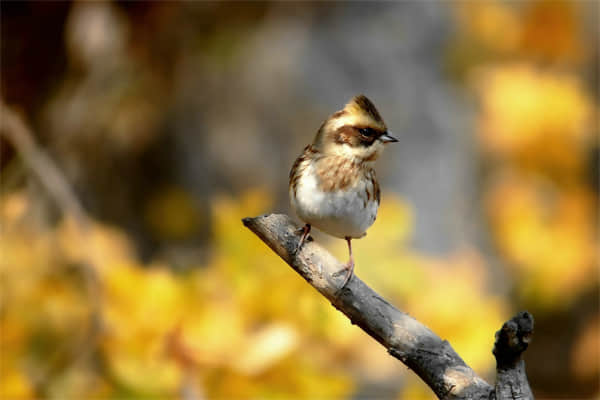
(405, 338)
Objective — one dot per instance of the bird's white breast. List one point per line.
(341, 213)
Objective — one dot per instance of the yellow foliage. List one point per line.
(586, 352)
(538, 119)
(220, 319)
(551, 31)
(243, 325)
(548, 236)
(99, 245)
(415, 390)
(265, 348)
(538, 129)
(492, 23)
(13, 207)
(541, 30)
(452, 286)
(14, 384)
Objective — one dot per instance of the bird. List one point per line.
(332, 184)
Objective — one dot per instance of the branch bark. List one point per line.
(511, 341)
(405, 338)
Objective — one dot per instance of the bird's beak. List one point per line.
(386, 138)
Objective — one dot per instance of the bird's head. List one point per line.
(356, 132)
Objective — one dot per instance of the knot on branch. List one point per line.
(512, 339)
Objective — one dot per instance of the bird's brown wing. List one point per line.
(299, 165)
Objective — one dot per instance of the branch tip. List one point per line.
(513, 339)
(247, 221)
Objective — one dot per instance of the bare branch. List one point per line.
(511, 341)
(14, 128)
(405, 338)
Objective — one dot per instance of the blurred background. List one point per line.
(156, 126)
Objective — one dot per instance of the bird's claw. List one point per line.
(348, 270)
(304, 238)
(298, 247)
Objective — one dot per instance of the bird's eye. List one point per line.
(366, 132)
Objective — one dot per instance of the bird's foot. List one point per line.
(348, 269)
(305, 230)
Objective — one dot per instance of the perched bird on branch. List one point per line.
(332, 184)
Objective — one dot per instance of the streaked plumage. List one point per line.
(332, 184)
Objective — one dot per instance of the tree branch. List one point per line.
(18, 133)
(405, 338)
(511, 341)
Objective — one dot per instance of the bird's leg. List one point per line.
(349, 267)
(305, 231)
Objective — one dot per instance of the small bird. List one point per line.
(332, 184)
